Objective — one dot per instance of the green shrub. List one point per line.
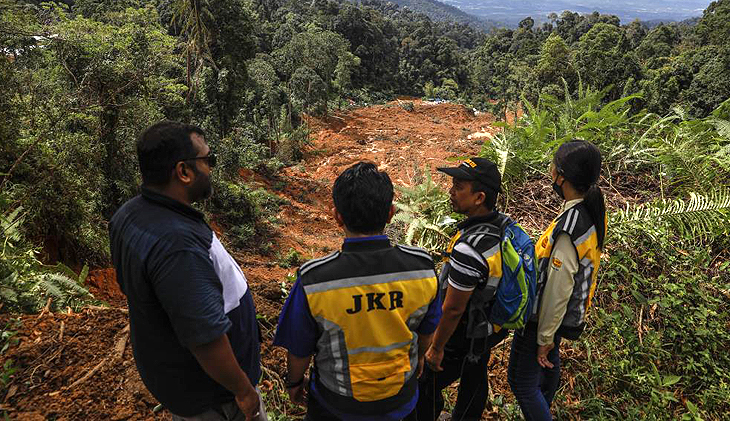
(292, 259)
(239, 150)
(246, 213)
(25, 284)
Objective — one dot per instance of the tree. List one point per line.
(554, 66)
(324, 52)
(525, 42)
(86, 93)
(449, 89)
(710, 85)
(603, 59)
(714, 27)
(219, 40)
(308, 89)
(372, 39)
(268, 95)
(635, 33)
(347, 63)
(658, 44)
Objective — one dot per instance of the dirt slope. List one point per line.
(88, 372)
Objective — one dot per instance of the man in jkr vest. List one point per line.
(366, 313)
(470, 279)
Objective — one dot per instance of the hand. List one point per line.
(249, 402)
(296, 394)
(434, 357)
(419, 369)
(542, 352)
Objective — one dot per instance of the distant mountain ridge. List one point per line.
(441, 11)
(627, 10)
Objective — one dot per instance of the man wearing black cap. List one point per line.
(470, 278)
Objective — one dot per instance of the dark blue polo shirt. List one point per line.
(183, 290)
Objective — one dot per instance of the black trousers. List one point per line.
(317, 412)
(473, 384)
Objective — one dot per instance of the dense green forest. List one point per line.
(80, 79)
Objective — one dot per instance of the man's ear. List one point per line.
(338, 218)
(391, 213)
(481, 198)
(183, 173)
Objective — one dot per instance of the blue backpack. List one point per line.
(517, 290)
(509, 307)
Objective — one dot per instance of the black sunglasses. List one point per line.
(211, 157)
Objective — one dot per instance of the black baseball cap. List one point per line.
(479, 169)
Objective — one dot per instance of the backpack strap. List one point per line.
(474, 232)
(494, 230)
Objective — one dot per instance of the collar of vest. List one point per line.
(490, 218)
(570, 204)
(168, 202)
(377, 242)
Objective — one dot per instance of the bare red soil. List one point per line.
(80, 366)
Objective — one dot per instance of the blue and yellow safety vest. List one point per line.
(368, 306)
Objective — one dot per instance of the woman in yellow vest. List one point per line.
(568, 255)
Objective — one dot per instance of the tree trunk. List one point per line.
(114, 161)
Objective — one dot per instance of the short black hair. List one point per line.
(490, 195)
(363, 196)
(163, 145)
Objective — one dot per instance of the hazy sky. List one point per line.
(627, 10)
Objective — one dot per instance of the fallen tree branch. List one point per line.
(46, 309)
(88, 375)
(121, 344)
(641, 316)
(100, 308)
(116, 354)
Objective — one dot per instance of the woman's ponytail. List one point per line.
(596, 206)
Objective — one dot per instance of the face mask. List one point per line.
(558, 189)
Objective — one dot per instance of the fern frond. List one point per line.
(46, 287)
(411, 232)
(404, 217)
(8, 295)
(722, 126)
(62, 269)
(67, 284)
(9, 225)
(680, 112)
(697, 218)
(83, 275)
(502, 150)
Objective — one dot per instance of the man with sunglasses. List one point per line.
(192, 318)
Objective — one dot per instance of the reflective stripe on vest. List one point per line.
(493, 257)
(368, 348)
